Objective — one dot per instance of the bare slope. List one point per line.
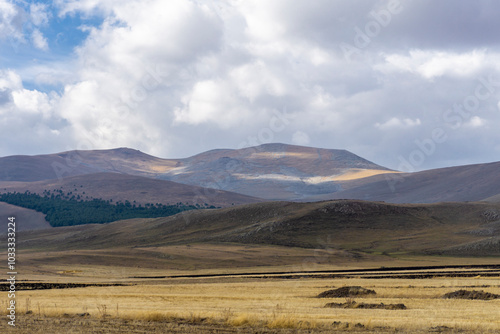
(340, 228)
(454, 184)
(26, 219)
(274, 171)
(72, 163)
(123, 187)
(270, 171)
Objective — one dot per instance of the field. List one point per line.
(259, 269)
(264, 303)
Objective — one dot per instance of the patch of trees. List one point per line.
(63, 209)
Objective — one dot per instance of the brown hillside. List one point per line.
(274, 171)
(342, 228)
(453, 184)
(270, 171)
(26, 219)
(122, 187)
(72, 163)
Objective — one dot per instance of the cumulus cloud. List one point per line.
(19, 24)
(20, 101)
(28, 118)
(475, 122)
(39, 14)
(174, 78)
(431, 64)
(395, 123)
(301, 138)
(11, 20)
(39, 41)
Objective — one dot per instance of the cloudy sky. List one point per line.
(410, 85)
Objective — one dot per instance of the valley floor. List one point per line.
(265, 304)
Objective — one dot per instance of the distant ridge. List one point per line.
(273, 171)
(479, 182)
(269, 171)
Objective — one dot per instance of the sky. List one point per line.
(410, 85)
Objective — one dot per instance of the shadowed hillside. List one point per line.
(26, 219)
(338, 229)
(123, 187)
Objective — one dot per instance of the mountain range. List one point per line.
(276, 202)
(236, 176)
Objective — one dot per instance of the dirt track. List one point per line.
(385, 272)
(44, 286)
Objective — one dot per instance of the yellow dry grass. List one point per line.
(279, 303)
(274, 155)
(355, 174)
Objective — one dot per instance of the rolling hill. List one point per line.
(479, 182)
(26, 219)
(123, 187)
(73, 163)
(276, 233)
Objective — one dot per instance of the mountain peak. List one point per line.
(271, 171)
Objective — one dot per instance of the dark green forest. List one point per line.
(65, 209)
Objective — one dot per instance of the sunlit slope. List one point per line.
(269, 171)
(463, 183)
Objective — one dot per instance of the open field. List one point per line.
(259, 268)
(262, 304)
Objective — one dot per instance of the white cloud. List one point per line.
(88, 7)
(262, 23)
(432, 64)
(24, 101)
(256, 79)
(11, 20)
(32, 101)
(177, 77)
(207, 102)
(475, 122)
(28, 119)
(396, 123)
(39, 14)
(214, 102)
(9, 80)
(300, 138)
(39, 41)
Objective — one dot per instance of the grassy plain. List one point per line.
(244, 304)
